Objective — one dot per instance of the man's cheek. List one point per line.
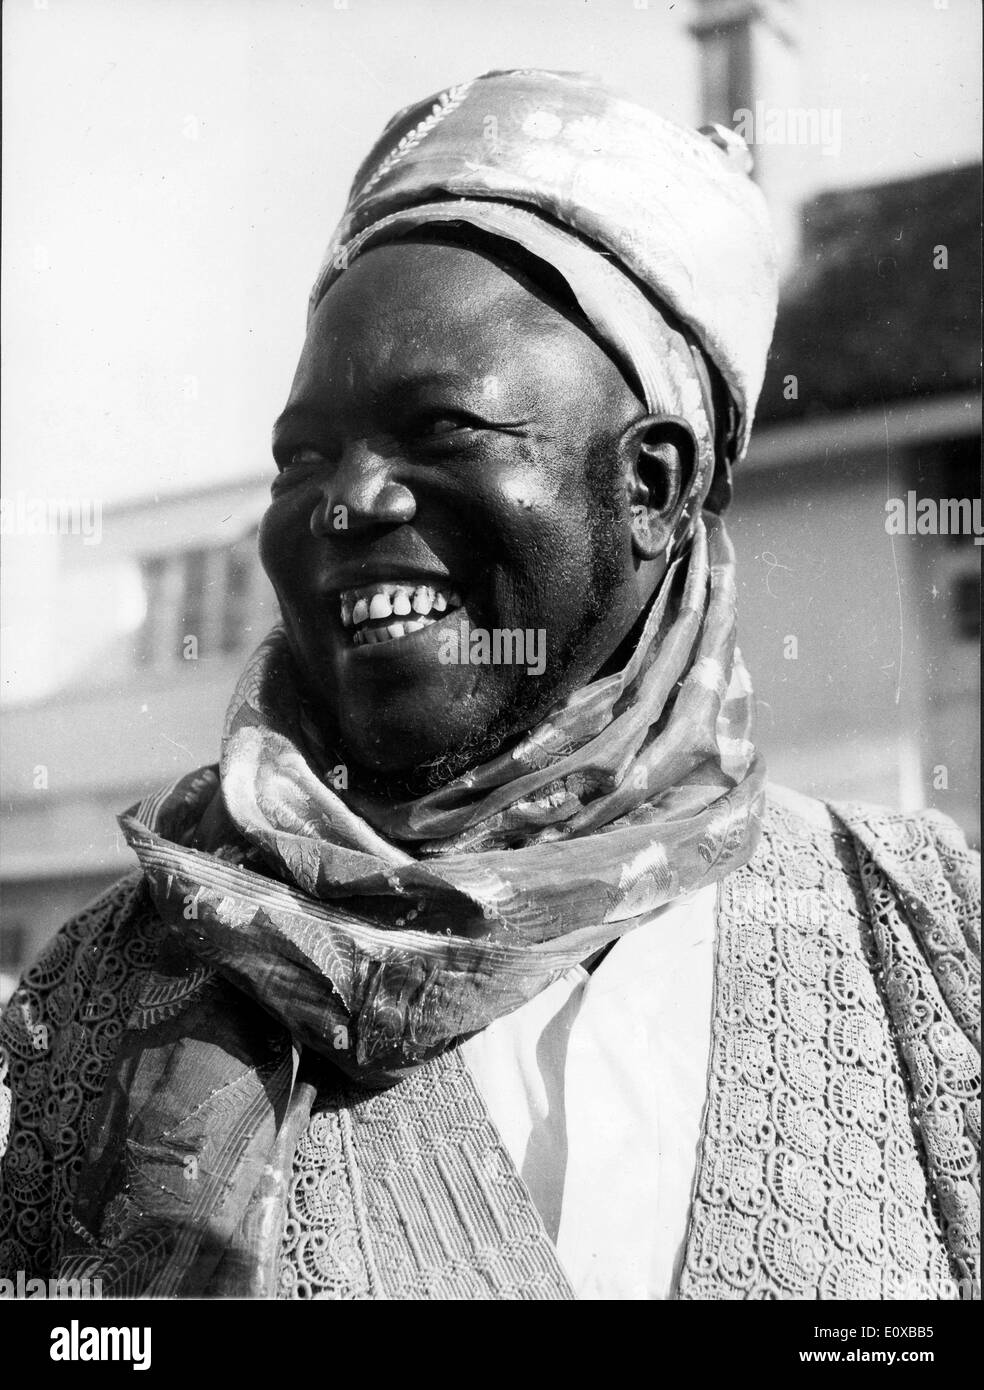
(285, 552)
(526, 492)
(276, 542)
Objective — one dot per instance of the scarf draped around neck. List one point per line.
(304, 922)
(381, 934)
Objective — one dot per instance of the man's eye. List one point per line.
(302, 458)
(446, 423)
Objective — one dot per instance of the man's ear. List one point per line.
(662, 459)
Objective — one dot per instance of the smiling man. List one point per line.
(485, 964)
(459, 445)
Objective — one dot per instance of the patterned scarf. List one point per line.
(302, 921)
(379, 934)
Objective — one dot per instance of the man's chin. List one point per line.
(409, 744)
(404, 716)
(391, 744)
(394, 784)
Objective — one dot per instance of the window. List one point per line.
(967, 606)
(152, 572)
(13, 947)
(195, 603)
(238, 585)
(952, 470)
(201, 593)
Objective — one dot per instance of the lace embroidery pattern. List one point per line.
(58, 1035)
(324, 1252)
(422, 1168)
(813, 1178)
(842, 1127)
(936, 1011)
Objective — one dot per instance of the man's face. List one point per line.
(439, 461)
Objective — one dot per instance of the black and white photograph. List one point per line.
(491, 550)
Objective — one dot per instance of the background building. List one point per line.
(872, 394)
(174, 599)
(863, 645)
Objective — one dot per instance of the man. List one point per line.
(484, 965)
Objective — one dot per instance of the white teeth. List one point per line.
(370, 636)
(377, 602)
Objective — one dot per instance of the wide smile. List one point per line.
(394, 610)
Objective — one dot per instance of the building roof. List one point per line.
(867, 317)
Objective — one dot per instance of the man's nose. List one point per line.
(362, 493)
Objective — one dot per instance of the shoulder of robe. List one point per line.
(920, 858)
(896, 831)
(73, 996)
(58, 1035)
(892, 831)
(921, 884)
(923, 858)
(892, 901)
(786, 802)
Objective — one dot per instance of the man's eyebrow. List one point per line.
(471, 388)
(294, 416)
(407, 383)
(401, 390)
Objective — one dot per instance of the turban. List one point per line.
(659, 232)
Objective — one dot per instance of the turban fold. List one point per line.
(638, 215)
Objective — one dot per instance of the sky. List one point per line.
(172, 170)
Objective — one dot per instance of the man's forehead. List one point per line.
(410, 317)
(390, 380)
(429, 284)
